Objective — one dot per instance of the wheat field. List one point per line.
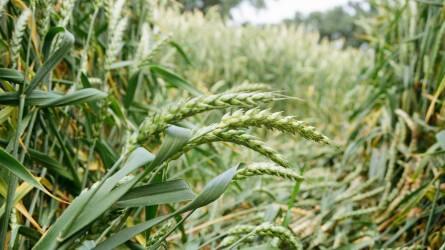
(133, 124)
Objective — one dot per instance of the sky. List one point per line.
(277, 10)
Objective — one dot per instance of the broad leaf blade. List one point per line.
(156, 194)
(48, 162)
(9, 162)
(11, 75)
(66, 43)
(174, 79)
(77, 97)
(212, 191)
(106, 196)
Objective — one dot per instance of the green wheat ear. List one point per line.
(2, 5)
(249, 87)
(115, 43)
(265, 118)
(66, 12)
(265, 229)
(158, 122)
(17, 37)
(268, 169)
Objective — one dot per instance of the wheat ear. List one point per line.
(2, 5)
(157, 123)
(249, 87)
(66, 12)
(116, 43)
(17, 37)
(270, 169)
(265, 118)
(266, 229)
(206, 135)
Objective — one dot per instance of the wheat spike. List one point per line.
(265, 168)
(157, 123)
(66, 12)
(266, 229)
(206, 135)
(17, 37)
(45, 9)
(2, 5)
(249, 87)
(114, 11)
(154, 50)
(116, 43)
(265, 118)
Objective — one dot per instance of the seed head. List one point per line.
(265, 168)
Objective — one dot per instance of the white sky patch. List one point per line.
(278, 10)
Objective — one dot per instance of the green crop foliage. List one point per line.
(133, 124)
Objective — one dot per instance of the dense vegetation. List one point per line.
(133, 125)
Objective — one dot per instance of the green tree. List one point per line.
(338, 22)
(224, 5)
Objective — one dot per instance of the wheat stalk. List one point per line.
(368, 194)
(17, 37)
(265, 168)
(355, 213)
(352, 191)
(265, 118)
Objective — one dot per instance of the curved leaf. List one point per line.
(11, 75)
(48, 162)
(9, 162)
(77, 97)
(174, 79)
(37, 97)
(212, 191)
(49, 37)
(98, 196)
(180, 51)
(52, 98)
(156, 194)
(66, 43)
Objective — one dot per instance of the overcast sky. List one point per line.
(277, 10)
